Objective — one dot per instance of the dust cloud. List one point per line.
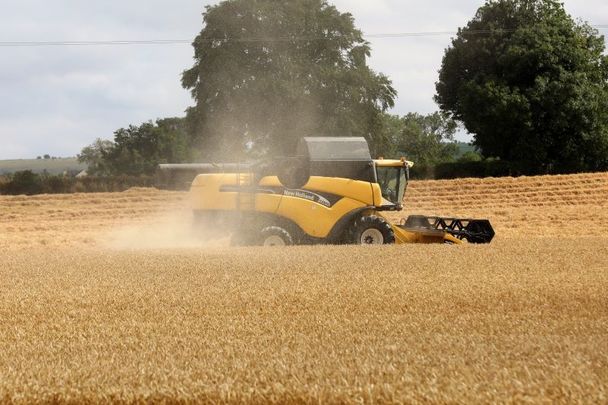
(165, 231)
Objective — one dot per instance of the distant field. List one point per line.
(52, 166)
(109, 297)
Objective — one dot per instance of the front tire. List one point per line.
(275, 236)
(372, 230)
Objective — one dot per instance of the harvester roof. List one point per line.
(334, 148)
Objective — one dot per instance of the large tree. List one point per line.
(531, 84)
(425, 139)
(267, 72)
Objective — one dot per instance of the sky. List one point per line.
(57, 99)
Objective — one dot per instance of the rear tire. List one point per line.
(275, 236)
(372, 230)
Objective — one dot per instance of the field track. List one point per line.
(109, 297)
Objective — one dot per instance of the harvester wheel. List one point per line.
(275, 236)
(373, 230)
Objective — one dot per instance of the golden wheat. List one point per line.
(567, 205)
(86, 318)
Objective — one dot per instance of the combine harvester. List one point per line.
(331, 192)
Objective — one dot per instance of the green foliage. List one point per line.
(137, 150)
(424, 139)
(470, 156)
(95, 156)
(30, 183)
(22, 182)
(464, 147)
(531, 84)
(268, 72)
(391, 130)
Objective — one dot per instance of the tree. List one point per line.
(388, 136)
(425, 139)
(95, 155)
(267, 72)
(138, 150)
(531, 85)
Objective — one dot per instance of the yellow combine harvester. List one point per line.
(332, 192)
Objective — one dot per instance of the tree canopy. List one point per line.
(138, 150)
(425, 139)
(531, 84)
(268, 72)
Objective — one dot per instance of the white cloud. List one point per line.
(58, 99)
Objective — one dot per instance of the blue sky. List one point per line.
(58, 99)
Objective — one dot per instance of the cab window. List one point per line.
(392, 181)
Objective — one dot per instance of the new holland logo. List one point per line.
(307, 195)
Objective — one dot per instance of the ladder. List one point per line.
(246, 191)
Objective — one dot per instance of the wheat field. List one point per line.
(109, 297)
